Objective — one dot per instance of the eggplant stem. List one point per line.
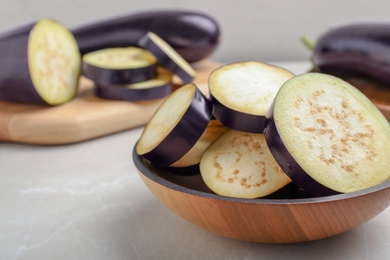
(308, 43)
(311, 46)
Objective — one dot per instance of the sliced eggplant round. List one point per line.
(242, 92)
(167, 56)
(119, 65)
(159, 87)
(327, 136)
(239, 164)
(40, 64)
(175, 127)
(214, 130)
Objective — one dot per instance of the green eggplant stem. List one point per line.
(310, 45)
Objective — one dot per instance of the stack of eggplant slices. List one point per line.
(262, 128)
(135, 73)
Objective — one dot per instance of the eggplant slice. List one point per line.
(159, 87)
(175, 127)
(240, 165)
(327, 136)
(120, 65)
(242, 92)
(40, 64)
(214, 130)
(167, 56)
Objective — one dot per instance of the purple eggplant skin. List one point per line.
(288, 163)
(118, 76)
(235, 119)
(15, 81)
(184, 135)
(166, 60)
(122, 93)
(358, 50)
(194, 35)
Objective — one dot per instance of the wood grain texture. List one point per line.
(83, 118)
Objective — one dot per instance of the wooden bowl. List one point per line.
(287, 216)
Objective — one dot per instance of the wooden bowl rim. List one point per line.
(139, 162)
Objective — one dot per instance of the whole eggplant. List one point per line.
(192, 34)
(361, 50)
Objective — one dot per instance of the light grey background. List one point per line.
(252, 29)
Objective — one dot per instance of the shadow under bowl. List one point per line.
(288, 216)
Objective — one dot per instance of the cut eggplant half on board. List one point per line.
(175, 127)
(214, 130)
(239, 164)
(119, 65)
(242, 92)
(168, 57)
(40, 64)
(327, 136)
(194, 35)
(155, 88)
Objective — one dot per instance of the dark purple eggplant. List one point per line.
(213, 131)
(15, 80)
(242, 92)
(119, 66)
(40, 64)
(175, 127)
(168, 57)
(358, 50)
(158, 87)
(192, 34)
(327, 136)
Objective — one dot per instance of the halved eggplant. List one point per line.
(119, 65)
(40, 64)
(239, 164)
(167, 56)
(175, 127)
(194, 35)
(327, 136)
(214, 130)
(242, 92)
(159, 87)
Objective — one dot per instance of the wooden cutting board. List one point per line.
(83, 118)
(87, 116)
